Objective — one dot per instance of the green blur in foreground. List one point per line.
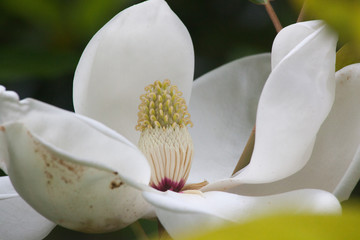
(295, 227)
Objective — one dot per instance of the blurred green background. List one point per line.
(41, 42)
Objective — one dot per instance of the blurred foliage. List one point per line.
(149, 227)
(348, 54)
(42, 39)
(294, 227)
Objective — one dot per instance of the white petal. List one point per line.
(336, 156)
(18, 221)
(182, 214)
(8, 98)
(143, 43)
(335, 163)
(223, 108)
(295, 101)
(289, 37)
(70, 169)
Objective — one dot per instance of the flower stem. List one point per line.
(139, 231)
(247, 153)
(302, 13)
(163, 234)
(273, 16)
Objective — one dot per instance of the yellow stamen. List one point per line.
(162, 103)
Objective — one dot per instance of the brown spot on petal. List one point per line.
(66, 180)
(55, 167)
(2, 128)
(116, 183)
(48, 175)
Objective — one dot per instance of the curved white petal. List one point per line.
(335, 163)
(182, 213)
(338, 143)
(142, 44)
(18, 221)
(223, 108)
(8, 98)
(70, 169)
(295, 101)
(289, 37)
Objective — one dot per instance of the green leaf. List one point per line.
(348, 54)
(295, 227)
(261, 2)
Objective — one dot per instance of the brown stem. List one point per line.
(273, 16)
(302, 13)
(163, 234)
(247, 153)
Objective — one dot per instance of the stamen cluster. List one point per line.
(161, 107)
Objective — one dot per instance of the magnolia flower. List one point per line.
(76, 170)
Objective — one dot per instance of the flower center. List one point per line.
(165, 140)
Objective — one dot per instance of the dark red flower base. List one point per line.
(168, 184)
